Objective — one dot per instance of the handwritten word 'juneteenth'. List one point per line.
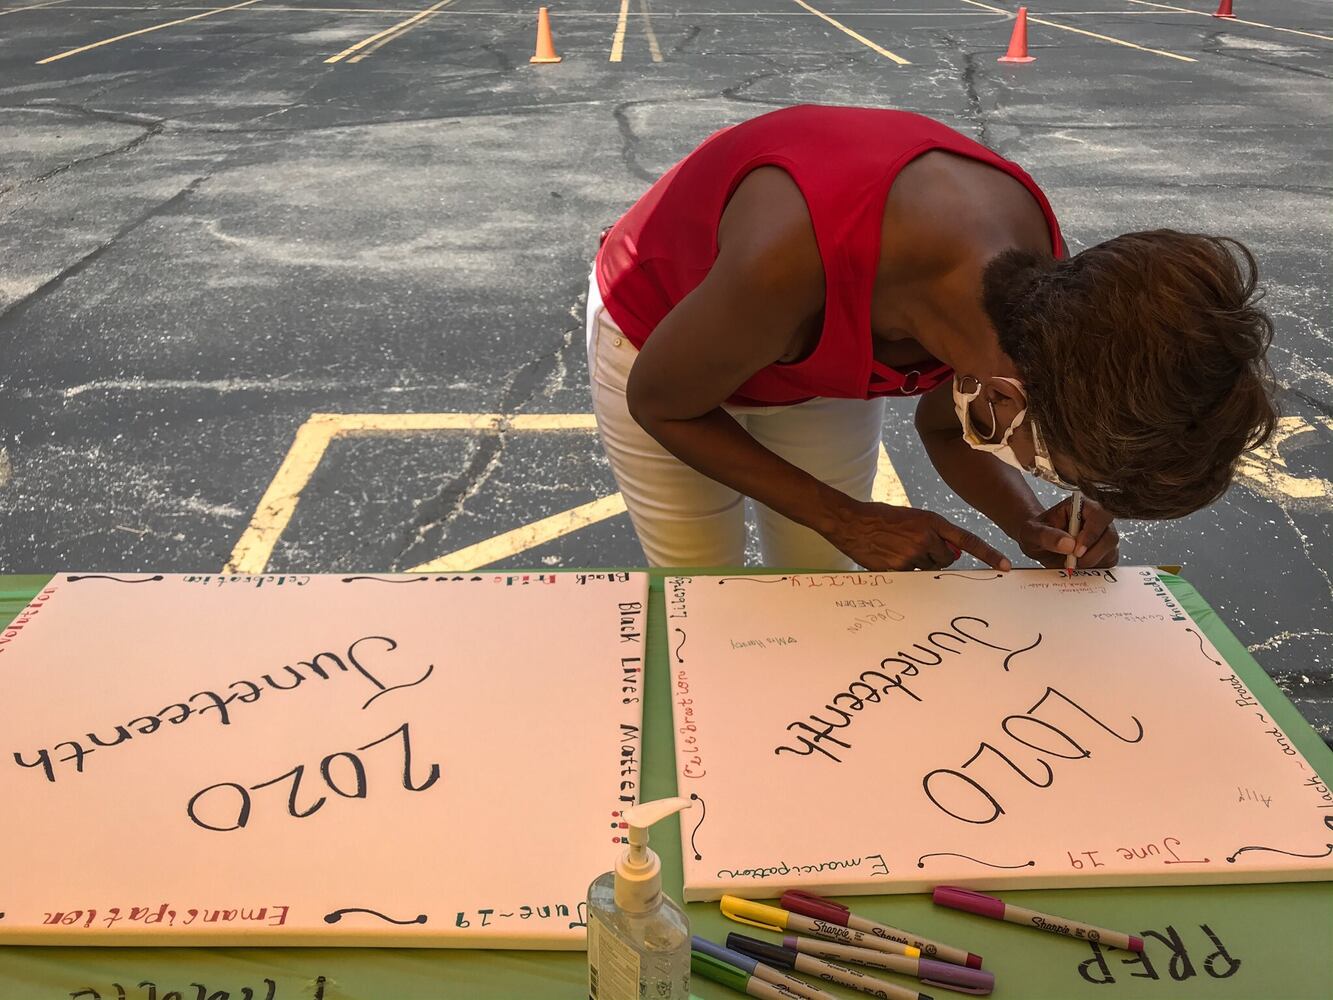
(321, 665)
(867, 689)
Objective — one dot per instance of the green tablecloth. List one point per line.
(1259, 942)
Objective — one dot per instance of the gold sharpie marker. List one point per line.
(771, 918)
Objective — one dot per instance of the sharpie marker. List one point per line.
(930, 972)
(998, 909)
(728, 975)
(757, 968)
(1075, 510)
(770, 918)
(786, 958)
(809, 905)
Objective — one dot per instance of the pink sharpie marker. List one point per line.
(997, 909)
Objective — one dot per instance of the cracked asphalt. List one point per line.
(207, 234)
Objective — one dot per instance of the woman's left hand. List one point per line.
(1046, 537)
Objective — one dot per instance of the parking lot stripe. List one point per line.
(268, 8)
(418, 16)
(372, 49)
(392, 36)
(1236, 20)
(510, 543)
(888, 487)
(1266, 471)
(653, 48)
(32, 6)
(276, 507)
(278, 504)
(142, 31)
(1090, 34)
(859, 37)
(618, 39)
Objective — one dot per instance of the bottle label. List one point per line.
(613, 966)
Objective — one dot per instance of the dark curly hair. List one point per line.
(1144, 359)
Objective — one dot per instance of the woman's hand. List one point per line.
(881, 536)
(1046, 537)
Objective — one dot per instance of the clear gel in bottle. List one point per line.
(638, 938)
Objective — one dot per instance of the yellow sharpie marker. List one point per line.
(771, 918)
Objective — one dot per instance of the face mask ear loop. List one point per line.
(994, 425)
(989, 436)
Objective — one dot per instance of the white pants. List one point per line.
(684, 518)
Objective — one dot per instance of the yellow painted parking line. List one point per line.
(372, 49)
(348, 424)
(510, 543)
(1090, 34)
(653, 49)
(278, 504)
(1236, 20)
(848, 31)
(274, 512)
(418, 16)
(33, 6)
(1266, 472)
(618, 39)
(888, 487)
(409, 25)
(143, 31)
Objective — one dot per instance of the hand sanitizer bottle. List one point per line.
(638, 938)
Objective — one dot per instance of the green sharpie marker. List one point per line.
(728, 975)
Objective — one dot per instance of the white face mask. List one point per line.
(1002, 449)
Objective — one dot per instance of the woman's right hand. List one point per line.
(880, 536)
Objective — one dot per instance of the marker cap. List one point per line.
(818, 908)
(969, 901)
(809, 905)
(955, 977)
(770, 918)
(743, 962)
(718, 971)
(770, 954)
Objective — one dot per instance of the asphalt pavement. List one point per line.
(215, 229)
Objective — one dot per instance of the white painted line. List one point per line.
(142, 31)
(859, 37)
(1236, 20)
(34, 6)
(1090, 34)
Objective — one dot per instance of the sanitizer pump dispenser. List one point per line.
(638, 938)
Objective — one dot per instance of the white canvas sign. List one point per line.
(889, 732)
(316, 760)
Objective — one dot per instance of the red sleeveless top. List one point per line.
(844, 160)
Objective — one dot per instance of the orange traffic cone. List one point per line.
(545, 47)
(1224, 9)
(1018, 41)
